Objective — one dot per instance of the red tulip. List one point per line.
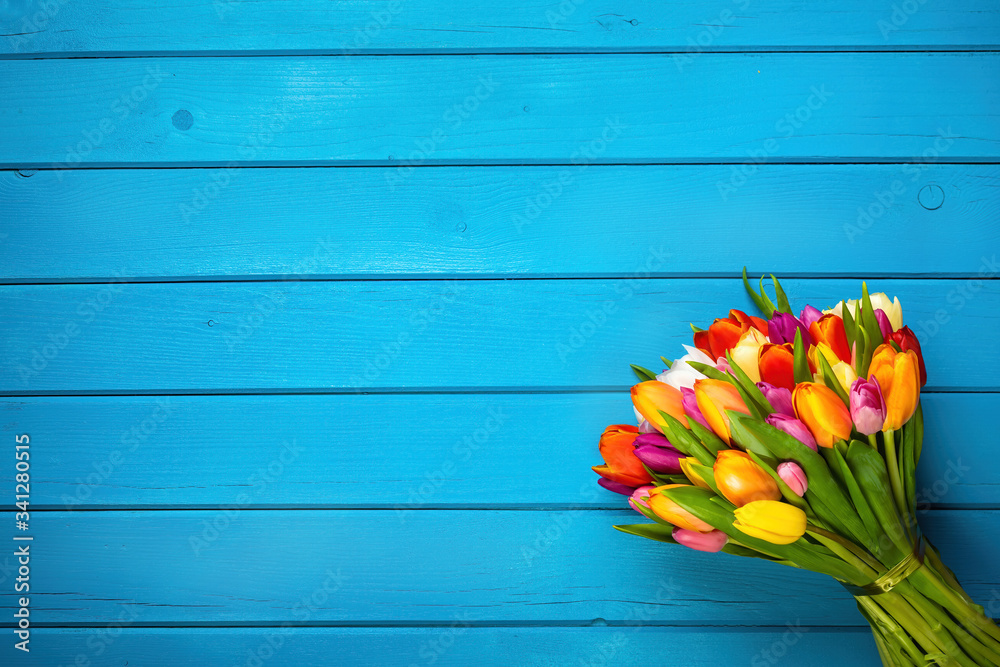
(776, 364)
(620, 463)
(723, 334)
(907, 340)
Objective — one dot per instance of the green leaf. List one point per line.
(850, 328)
(750, 388)
(755, 297)
(666, 362)
(830, 379)
(696, 329)
(864, 353)
(750, 442)
(869, 470)
(800, 364)
(644, 374)
(709, 440)
(709, 371)
(918, 434)
(707, 473)
(843, 471)
(771, 308)
(783, 306)
(651, 531)
(868, 317)
(682, 440)
(908, 465)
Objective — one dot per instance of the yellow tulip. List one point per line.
(669, 511)
(741, 481)
(746, 351)
(691, 473)
(846, 375)
(898, 374)
(771, 521)
(880, 301)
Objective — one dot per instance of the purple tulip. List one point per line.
(656, 439)
(779, 398)
(883, 323)
(637, 497)
(867, 405)
(808, 316)
(794, 476)
(617, 487)
(691, 409)
(782, 327)
(711, 542)
(794, 428)
(666, 460)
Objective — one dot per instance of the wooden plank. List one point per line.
(464, 450)
(89, 225)
(427, 335)
(243, 566)
(407, 112)
(420, 26)
(457, 645)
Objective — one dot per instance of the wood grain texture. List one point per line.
(414, 111)
(422, 26)
(365, 567)
(342, 337)
(452, 645)
(464, 450)
(164, 224)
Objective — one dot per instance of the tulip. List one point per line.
(907, 340)
(669, 511)
(744, 354)
(740, 480)
(681, 374)
(640, 497)
(772, 521)
(620, 463)
(892, 309)
(646, 427)
(794, 476)
(687, 467)
(780, 398)
(829, 329)
(723, 334)
(714, 398)
(867, 406)
(711, 542)
(845, 375)
(652, 396)
(808, 316)
(898, 375)
(777, 365)
(792, 427)
(782, 327)
(821, 349)
(665, 460)
(819, 408)
(690, 405)
(884, 325)
(616, 487)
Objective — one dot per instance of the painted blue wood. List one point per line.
(453, 644)
(459, 450)
(408, 111)
(164, 224)
(376, 567)
(355, 336)
(420, 26)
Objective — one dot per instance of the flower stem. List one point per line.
(894, 480)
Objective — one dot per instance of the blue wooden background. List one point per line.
(314, 311)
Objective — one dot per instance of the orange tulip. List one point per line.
(652, 396)
(898, 374)
(741, 480)
(714, 397)
(723, 334)
(668, 510)
(819, 408)
(776, 364)
(620, 463)
(829, 329)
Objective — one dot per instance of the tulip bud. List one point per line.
(819, 408)
(620, 463)
(681, 374)
(712, 541)
(665, 460)
(867, 406)
(777, 365)
(652, 396)
(884, 325)
(845, 375)
(616, 487)
(772, 521)
(898, 375)
(782, 327)
(792, 427)
(740, 480)
(780, 398)
(687, 467)
(714, 398)
(690, 405)
(907, 340)
(829, 329)
(791, 473)
(745, 353)
(669, 511)
(808, 316)
(640, 497)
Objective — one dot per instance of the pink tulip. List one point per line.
(883, 323)
(809, 315)
(792, 427)
(638, 497)
(792, 474)
(779, 398)
(690, 405)
(712, 541)
(867, 405)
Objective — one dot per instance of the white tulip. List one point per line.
(681, 375)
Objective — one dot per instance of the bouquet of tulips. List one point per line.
(796, 440)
